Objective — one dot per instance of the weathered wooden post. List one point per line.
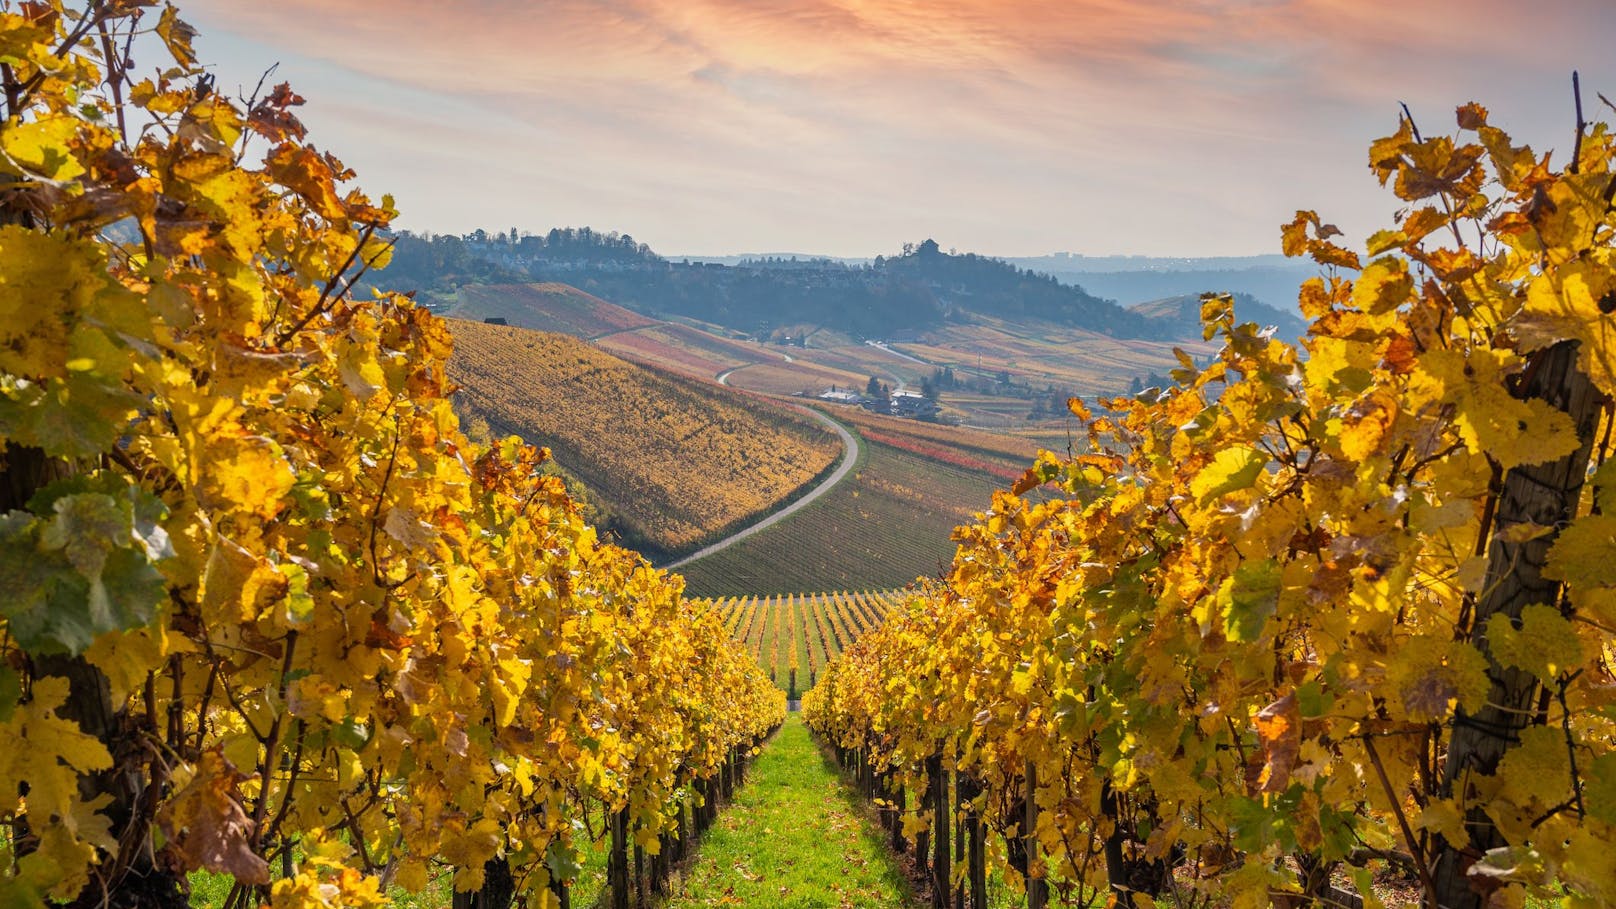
(499, 888)
(900, 802)
(1116, 868)
(617, 860)
(976, 870)
(938, 781)
(639, 876)
(562, 891)
(959, 836)
(1037, 887)
(681, 832)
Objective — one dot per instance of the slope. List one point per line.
(1183, 312)
(886, 525)
(549, 306)
(672, 462)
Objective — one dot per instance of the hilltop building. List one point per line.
(912, 404)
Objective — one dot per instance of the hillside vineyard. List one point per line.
(676, 462)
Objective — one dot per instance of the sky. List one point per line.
(849, 127)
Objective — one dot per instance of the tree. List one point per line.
(873, 388)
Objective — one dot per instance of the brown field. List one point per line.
(802, 376)
(1047, 354)
(864, 360)
(685, 349)
(545, 307)
(999, 454)
(674, 462)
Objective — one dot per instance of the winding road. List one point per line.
(850, 456)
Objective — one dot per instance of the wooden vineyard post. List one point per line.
(882, 813)
(923, 838)
(976, 845)
(900, 806)
(639, 875)
(959, 836)
(617, 860)
(497, 892)
(1037, 887)
(709, 802)
(679, 830)
(562, 891)
(1543, 495)
(660, 863)
(938, 782)
(1116, 870)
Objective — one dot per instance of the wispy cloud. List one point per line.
(849, 126)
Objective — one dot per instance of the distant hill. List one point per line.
(671, 461)
(920, 288)
(1270, 279)
(980, 284)
(549, 306)
(1184, 312)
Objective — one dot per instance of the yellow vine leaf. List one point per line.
(1584, 554)
(1491, 421)
(1384, 285)
(1231, 470)
(35, 267)
(42, 147)
(1575, 302)
(1545, 645)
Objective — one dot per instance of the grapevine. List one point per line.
(271, 614)
(1316, 607)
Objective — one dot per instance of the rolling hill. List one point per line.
(1184, 311)
(672, 461)
(547, 306)
(921, 288)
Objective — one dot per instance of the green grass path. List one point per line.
(793, 839)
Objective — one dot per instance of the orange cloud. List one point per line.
(849, 126)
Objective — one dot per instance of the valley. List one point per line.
(694, 453)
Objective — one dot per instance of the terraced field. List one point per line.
(1000, 455)
(1042, 355)
(683, 348)
(882, 527)
(800, 377)
(675, 462)
(793, 636)
(545, 307)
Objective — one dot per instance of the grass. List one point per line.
(795, 838)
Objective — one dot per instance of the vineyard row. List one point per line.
(794, 636)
